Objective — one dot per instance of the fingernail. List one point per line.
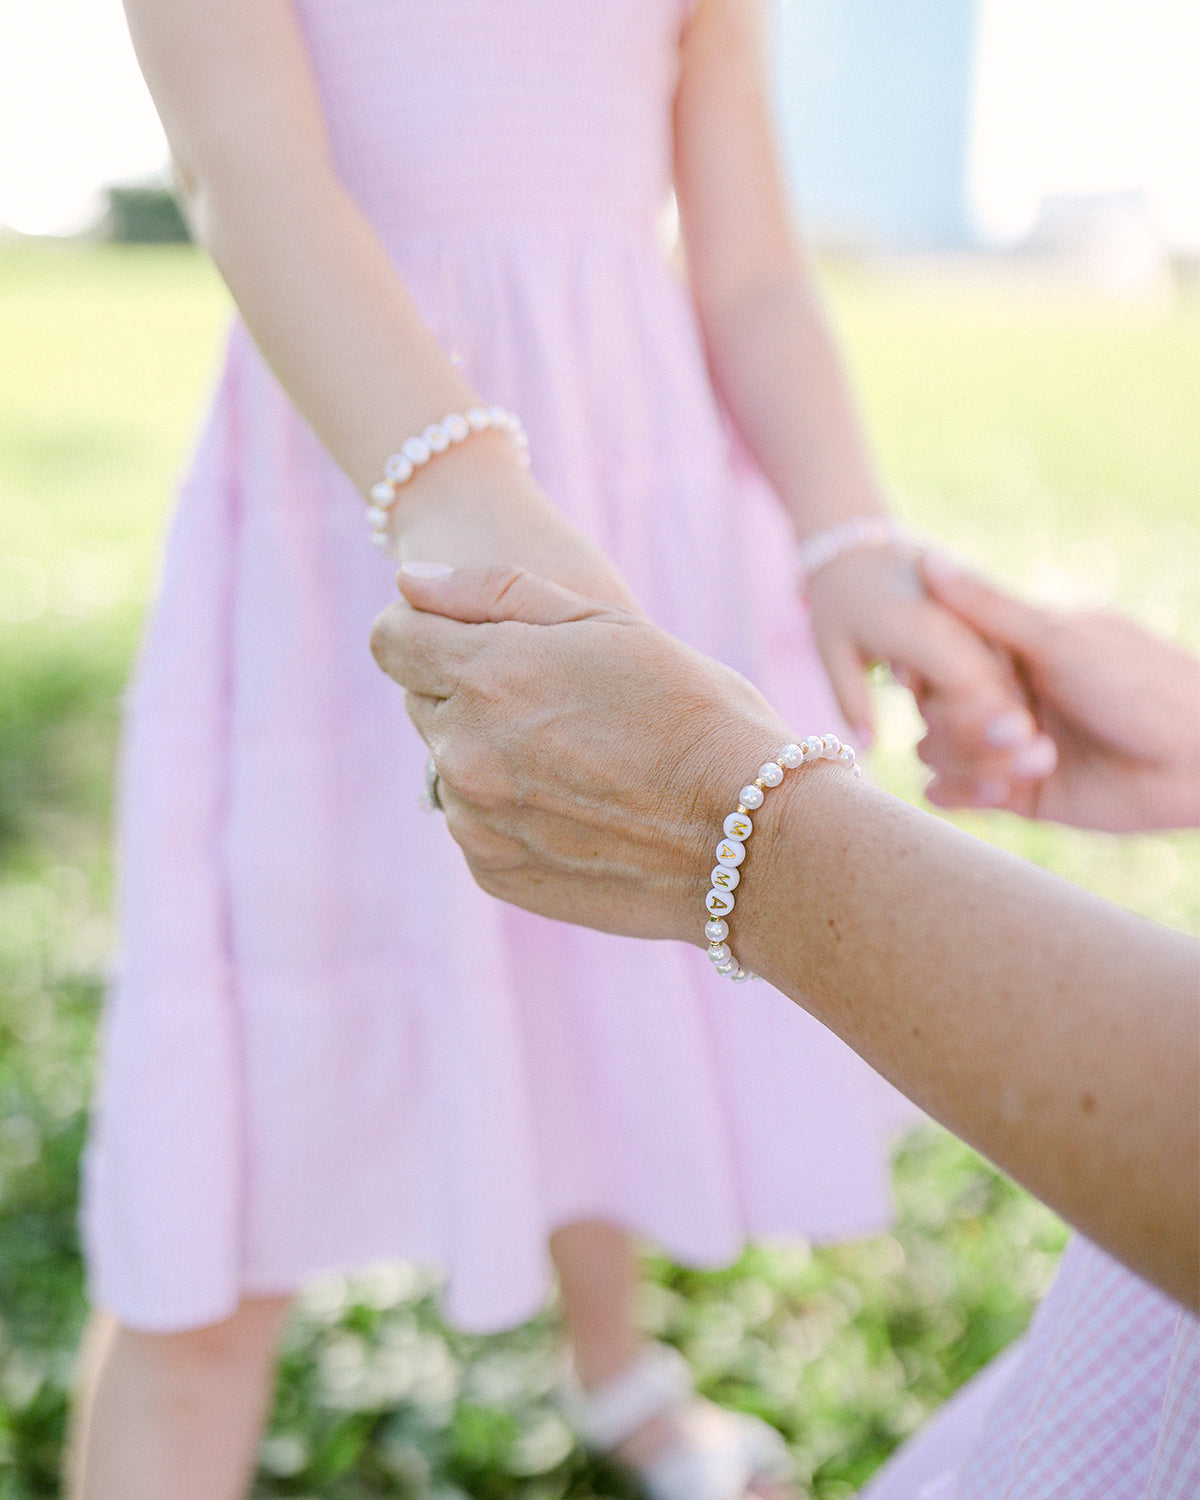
(1010, 728)
(991, 793)
(1038, 759)
(426, 569)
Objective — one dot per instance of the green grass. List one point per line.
(1053, 442)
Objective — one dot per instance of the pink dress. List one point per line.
(324, 1045)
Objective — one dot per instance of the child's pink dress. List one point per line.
(325, 1045)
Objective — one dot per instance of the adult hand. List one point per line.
(1121, 705)
(586, 757)
(871, 605)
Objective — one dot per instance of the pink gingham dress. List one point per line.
(1099, 1401)
(325, 1046)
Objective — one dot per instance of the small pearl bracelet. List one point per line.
(815, 551)
(436, 438)
(738, 827)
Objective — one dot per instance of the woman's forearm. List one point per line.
(1053, 1031)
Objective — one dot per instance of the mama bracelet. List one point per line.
(738, 827)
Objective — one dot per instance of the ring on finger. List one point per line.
(430, 798)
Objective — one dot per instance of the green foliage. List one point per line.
(1050, 443)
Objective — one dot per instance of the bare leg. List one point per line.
(176, 1414)
(598, 1278)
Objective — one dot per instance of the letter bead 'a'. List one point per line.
(719, 903)
(730, 852)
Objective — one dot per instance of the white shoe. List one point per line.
(715, 1454)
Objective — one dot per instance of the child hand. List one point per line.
(871, 605)
(476, 507)
(1122, 707)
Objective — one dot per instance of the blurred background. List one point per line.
(1006, 198)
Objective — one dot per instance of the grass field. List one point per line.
(1053, 441)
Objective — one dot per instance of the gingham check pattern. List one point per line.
(1101, 1402)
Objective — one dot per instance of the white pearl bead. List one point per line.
(417, 451)
(790, 756)
(846, 755)
(831, 745)
(719, 903)
(383, 493)
(729, 968)
(813, 747)
(770, 773)
(377, 518)
(719, 953)
(730, 852)
(716, 931)
(437, 437)
(725, 877)
(478, 419)
(857, 770)
(379, 538)
(751, 796)
(456, 426)
(498, 417)
(399, 468)
(738, 826)
(744, 976)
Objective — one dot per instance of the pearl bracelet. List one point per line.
(453, 429)
(815, 551)
(738, 827)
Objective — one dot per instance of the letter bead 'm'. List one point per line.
(417, 451)
(725, 877)
(770, 774)
(790, 756)
(730, 852)
(720, 953)
(751, 797)
(719, 903)
(738, 826)
(716, 931)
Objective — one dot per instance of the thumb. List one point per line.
(1007, 622)
(482, 595)
(848, 680)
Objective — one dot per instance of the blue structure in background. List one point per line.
(875, 106)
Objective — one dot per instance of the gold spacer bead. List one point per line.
(742, 809)
(760, 783)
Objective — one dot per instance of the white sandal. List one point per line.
(716, 1454)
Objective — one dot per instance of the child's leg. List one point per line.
(598, 1278)
(176, 1414)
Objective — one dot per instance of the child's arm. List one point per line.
(774, 362)
(233, 85)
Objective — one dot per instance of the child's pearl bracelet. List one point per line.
(436, 438)
(731, 851)
(822, 547)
